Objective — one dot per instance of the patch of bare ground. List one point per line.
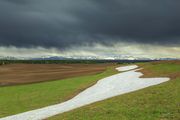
(148, 72)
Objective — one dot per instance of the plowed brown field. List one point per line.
(13, 74)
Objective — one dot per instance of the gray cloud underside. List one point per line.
(64, 23)
(116, 51)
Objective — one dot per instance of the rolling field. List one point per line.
(21, 98)
(160, 102)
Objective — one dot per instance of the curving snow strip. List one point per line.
(105, 88)
(126, 68)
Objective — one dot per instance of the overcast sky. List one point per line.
(90, 27)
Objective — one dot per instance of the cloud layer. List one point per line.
(62, 24)
(116, 51)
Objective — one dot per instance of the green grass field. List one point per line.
(17, 99)
(160, 102)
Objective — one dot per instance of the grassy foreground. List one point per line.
(160, 102)
(17, 99)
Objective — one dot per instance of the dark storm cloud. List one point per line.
(62, 23)
(18, 1)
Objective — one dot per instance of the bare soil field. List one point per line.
(13, 74)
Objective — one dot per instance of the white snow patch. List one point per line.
(126, 68)
(105, 88)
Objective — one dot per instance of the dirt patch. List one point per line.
(166, 62)
(151, 73)
(13, 74)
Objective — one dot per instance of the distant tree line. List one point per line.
(2, 62)
(51, 61)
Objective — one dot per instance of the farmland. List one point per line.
(13, 74)
(152, 103)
